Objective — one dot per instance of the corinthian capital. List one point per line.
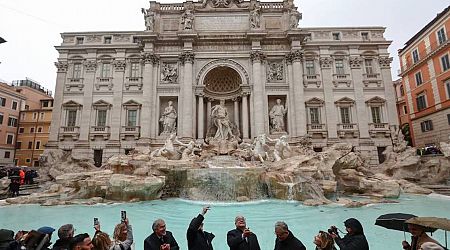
(355, 62)
(384, 61)
(61, 66)
(151, 58)
(257, 56)
(296, 55)
(119, 65)
(187, 57)
(90, 65)
(325, 62)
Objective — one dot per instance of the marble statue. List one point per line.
(149, 17)
(188, 150)
(255, 18)
(219, 114)
(281, 145)
(294, 18)
(168, 150)
(169, 74)
(398, 141)
(187, 19)
(276, 115)
(169, 118)
(260, 148)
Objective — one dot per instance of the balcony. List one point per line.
(133, 83)
(313, 80)
(72, 132)
(100, 131)
(130, 131)
(317, 129)
(371, 76)
(76, 80)
(351, 129)
(379, 128)
(342, 80)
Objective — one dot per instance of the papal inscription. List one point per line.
(170, 24)
(222, 22)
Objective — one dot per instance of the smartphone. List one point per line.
(123, 215)
(95, 221)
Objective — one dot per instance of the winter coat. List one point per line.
(198, 239)
(152, 242)
(357, 240)
(237, 242)
(124, 245)
(62, 244)
(290, 243)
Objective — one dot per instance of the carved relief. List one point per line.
(322, 35)
(355, 62)
(187, 57)
(119, 65)
(149, 58)
(325, 62)
(275, 71)
(69, 39)
(169, 73)
(187, 20)
(93, 39)
(121, 38)
(90, 65)
(350, 34)
(61, 66)
(377, 34)
(385, 62)
(220, 3)
(257, 56)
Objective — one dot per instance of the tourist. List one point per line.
(46, 231)
(7, 240)
(418, 237)
(160, 239)
(81, 242)
(65, 234)
(431, 246)
(123, 236)
(354, 239)
(197, 238)
(324, 241)
(285, 239)
(242, 238)
(14, 187)
(101, 240)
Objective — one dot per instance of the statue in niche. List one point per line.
(187, 19)
(281, 145)
(276, 115)
(169, 74)
(294, 17)
(275, 72)
(149, 17)
(219, 114)
(255, 18)
(168, 119)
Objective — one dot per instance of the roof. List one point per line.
(424, 29)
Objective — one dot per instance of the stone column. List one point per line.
(88, 82)
(208, 114)
(299, 97)
(257, 58)
(201, 120)
(330, 107)
(245, 116)
(58, 101)
(358, 86)
(148, 59)
(236, 112)
(186, 94)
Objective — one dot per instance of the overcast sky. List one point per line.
(32, 28)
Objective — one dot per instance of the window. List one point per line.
(402, 90)
(310, 69)
(101, 118)
(9, 139)
(376, 114)
(30, 145)
(132, 117)
(365, 36)
(1, 118)
(39, 130)
(2, 101)
(34, 116)
(426, 125)
(441, 36)
(445, 63)
(339, 66)
(7, 154)
(415, 55)
(418, 77)
(38, 144)
(345, 114)
(447, 84)
(405, 110)
(107, 40)
(76, 73)
(22, 116)
(106, 69)
(41, 115)
(314, 115)
(21, 130)
(134, 70)
(368, 66)
(45, 104)
(336, 36)
(71, 118)
(18, 144)
(31, 130)
(421, 101)
(14, 105)
(12, 122)
(27, 107)
(27, 160)
(448, 119)
(80, 40)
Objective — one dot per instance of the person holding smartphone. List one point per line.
(197, 238)
(242, 238)
(123, 234)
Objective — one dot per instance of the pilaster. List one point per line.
(186, 95)
(257, 58)
(296, 57)
(89, 81)
(330, 107)
(62, 67)
(361, 111)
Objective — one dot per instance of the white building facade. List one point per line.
(113, 88)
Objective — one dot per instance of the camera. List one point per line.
(333, 230)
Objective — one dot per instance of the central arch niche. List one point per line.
(222, 82)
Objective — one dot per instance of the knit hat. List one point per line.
(46, 230)
(430, 246)
(64, 231)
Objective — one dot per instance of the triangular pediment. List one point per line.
(131, 103)
(71, 104)
(345, 100)
(315, 101)
(101, 103)
(376, 99)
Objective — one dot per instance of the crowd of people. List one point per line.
(239, 238)
(18, 177)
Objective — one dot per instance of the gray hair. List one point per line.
(156, 223)
(282, 225)
(238, 217)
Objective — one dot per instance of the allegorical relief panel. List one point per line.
(275, 71)
(169, 73)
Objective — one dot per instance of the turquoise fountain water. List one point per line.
(303, 221)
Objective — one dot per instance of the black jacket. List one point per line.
(356, 241)
(236, 242)
(290, 243)
(198, 239)
(62, 244)
(152, 242)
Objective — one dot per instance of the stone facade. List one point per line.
(113, 88)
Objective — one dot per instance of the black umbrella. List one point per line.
(396, 221)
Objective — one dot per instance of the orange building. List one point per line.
(425, 86)
(34, 122)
